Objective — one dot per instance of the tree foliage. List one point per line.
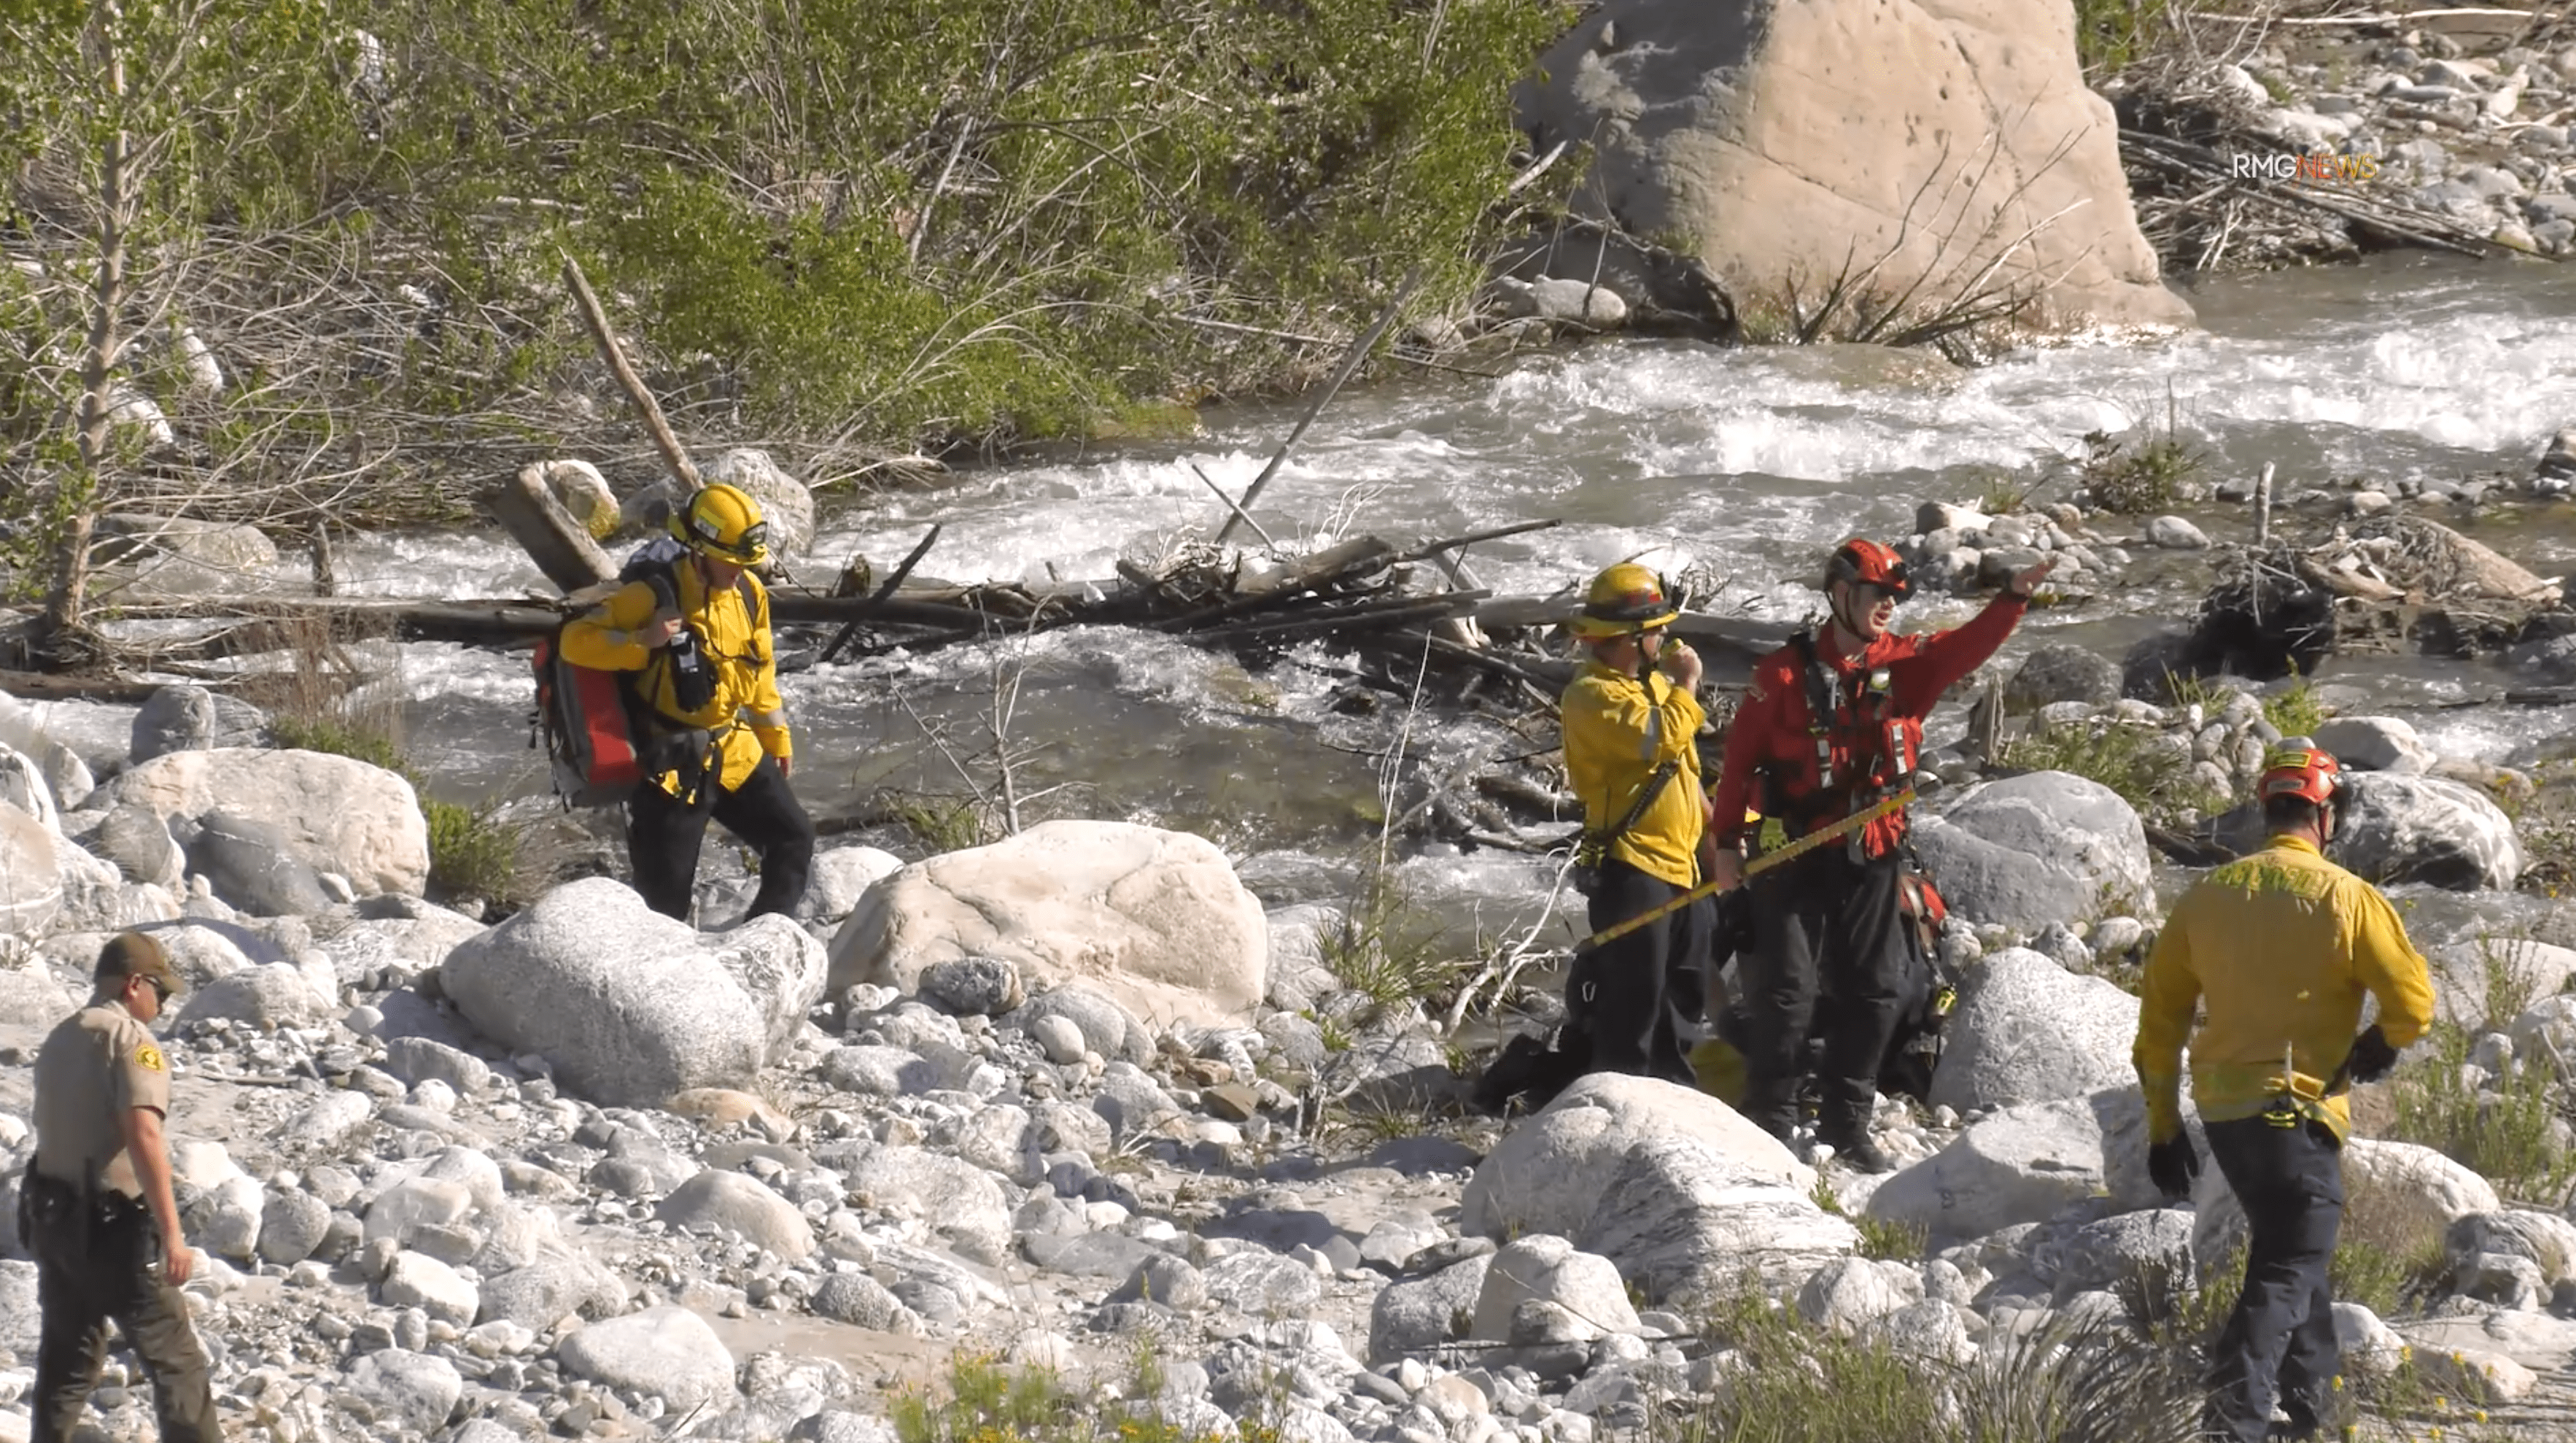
(830, 223)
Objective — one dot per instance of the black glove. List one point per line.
(2174, 1166)
(2371, 1056)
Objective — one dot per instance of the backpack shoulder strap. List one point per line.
(1821, 683)
(1647, 790)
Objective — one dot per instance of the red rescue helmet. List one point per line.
(1870, 563)
(2299, 768)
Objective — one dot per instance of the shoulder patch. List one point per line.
(148, 1057)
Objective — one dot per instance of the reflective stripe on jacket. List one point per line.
(2277, 948)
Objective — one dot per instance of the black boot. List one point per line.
(1845, 1129)
(1857, 1151)
(1771, 1104)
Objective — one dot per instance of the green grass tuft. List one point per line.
(2063, 1383)
(1390, 950)
(2295, 709)
(343, 739)
(474, 853)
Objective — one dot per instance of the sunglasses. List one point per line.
(160, 989)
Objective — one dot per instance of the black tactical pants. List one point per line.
(2279, 1344)
(1627, 995)
(114, 1275)
(664, 835)
(1828, 933)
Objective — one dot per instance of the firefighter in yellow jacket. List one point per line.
(699, 635)
(2277, 948)
(1631, 724)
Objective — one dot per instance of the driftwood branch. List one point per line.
(883, 593)
(1350, 365)
(647, 410)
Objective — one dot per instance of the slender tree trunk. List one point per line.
(64, 606)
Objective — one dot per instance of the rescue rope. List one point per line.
(1755, 868)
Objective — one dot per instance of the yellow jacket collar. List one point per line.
(2296, 843)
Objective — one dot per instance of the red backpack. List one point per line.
(602, 736)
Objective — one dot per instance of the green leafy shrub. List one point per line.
(2506, 1133)
(2137, 478)
(2111, 35)
(2131, 760)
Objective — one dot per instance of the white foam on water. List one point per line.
(1747, 464)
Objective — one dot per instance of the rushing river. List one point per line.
(1746, 465)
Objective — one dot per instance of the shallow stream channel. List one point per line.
(1737, 465)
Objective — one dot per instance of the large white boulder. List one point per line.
(2021, 1164)
(1849, 1292)
(963, 1203)
(740, 1206)
(1550, 1269)
(1155, 919)
(269, 996)
(841, 876)
(2376, 744)
(1688, 1226)
(2038, 848)
(31, 874)
(1673, 1186)
(1547, 1173)
(669, 1353)
(1932, 141)
(61, 744)
(2401, 828)
(143, 556)
(631, 1006)
(30, 997)
(2547, 1239)
(337, 814)
(389, 952)
(2028, 1030)
(401, 1389)
(23, 785)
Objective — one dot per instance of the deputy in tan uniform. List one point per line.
(95, 1207)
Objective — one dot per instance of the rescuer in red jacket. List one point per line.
(1829, 727)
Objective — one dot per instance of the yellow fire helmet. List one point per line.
(723, 522)
(1625, 598)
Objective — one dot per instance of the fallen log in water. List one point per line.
(1365, 593)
